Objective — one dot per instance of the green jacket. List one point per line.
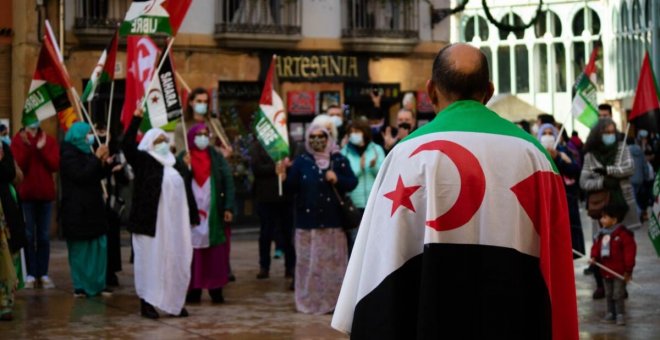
(366, 176)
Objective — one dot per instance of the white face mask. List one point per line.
(200, 108)
(548, 141)
(162, 148)
(356, 139)
(337, 121)
(535, 129)
(201, 141)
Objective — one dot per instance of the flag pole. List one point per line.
(78, 101)
(107, 126)
(625, 138)
(279, 185)
(617, 275)
(558, 139)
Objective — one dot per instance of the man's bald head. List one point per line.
(460, 72)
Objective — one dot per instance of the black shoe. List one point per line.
(106, 292)
(79, 293)
(263, 274)
(194, 296)
(292, 287)
(625, 293)
(184, 313)
(588, 271)
(288, 273)
(216, 295)
(7, 317)
(147, 310)
(599, 293)
(232, 278)
(112, 280)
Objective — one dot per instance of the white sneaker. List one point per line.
(29, 282)
(46, 282)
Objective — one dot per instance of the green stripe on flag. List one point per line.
(276, 147)
(146, 25)
(37, 99)
(472, 116)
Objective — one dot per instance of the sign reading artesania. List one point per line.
(319, 67)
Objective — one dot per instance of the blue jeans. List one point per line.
(276, 218)
(37, 227)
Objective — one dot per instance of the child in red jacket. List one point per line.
(615, 248)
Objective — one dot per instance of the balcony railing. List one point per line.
(380, 25)
(258, 23)
(96, 20)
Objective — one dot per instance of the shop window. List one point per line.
(586, 19)
(578, 59)
(636, 15)
(647, 12)
(512, 19)
(522, 69)
(503, 69)
(624, 18)
(476, 26)
(541, 67)
(560, 67)
(548, 22)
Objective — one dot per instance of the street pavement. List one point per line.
(264, 309)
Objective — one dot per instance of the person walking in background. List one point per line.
(38, 157)
(275, 212)
(82, 213)
(213, 188)
(615, 248)
(162, 213)
(365, 158)
(570, 173)
(607, 168)
(316, 178)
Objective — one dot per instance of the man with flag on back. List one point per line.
(466, 232)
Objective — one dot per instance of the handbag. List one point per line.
(596, 201)
(350, 216)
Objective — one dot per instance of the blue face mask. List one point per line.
(643, 133)
(337, 121)
(90, 139)
(201, 142)
(6, 139)
(34, 125)
(356, 139)
(609, 138)
(162, 148)
(200, 108)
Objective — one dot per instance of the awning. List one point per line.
(513, 108)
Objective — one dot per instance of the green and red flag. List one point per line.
(104, 72)
(149, 17)
(270, 122)
(452, 230)
(48, 90)
(162, 102)
(584, 107)
(646, 107)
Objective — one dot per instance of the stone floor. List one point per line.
(264, 309)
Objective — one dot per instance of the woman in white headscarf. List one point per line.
(160, 220)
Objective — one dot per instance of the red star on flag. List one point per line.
(154, 99)
(401, 196)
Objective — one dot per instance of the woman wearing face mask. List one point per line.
(608, 166)
(162, 213)
(83, 215)
(213, 188)
(570, 173)
(320, 242)
(197, 111)
(365, 158)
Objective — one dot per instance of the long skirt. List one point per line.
(88, 261)
(321, 260)
(210, 267)
(8, 277)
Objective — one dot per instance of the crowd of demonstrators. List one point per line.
(38, 157)
(317, 179)
(213, 190)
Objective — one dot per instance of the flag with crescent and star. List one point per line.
(162, 105)
(104, 71)
(465, 235)
(270, 121)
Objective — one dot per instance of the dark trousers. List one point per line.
(114, 243)
(276, 217)
(615, 294)
(37, 228)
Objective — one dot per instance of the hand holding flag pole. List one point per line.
(617, 275)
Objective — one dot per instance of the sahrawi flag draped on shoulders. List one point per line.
(149, 17)
(270, 121)
(48, 89)
(162, 103)
(104, 72)
(465, 236)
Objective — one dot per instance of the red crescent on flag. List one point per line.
(473, 184)
(277, 114)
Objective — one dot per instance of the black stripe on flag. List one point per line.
(648, 121)
(454, 291)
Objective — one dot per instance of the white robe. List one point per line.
(200, 233)
(162, 263)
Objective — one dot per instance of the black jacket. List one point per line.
(82, 210)
(265, 179)
(147, 186)
(11, 204)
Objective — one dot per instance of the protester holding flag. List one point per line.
(82, 213)
(317, 179)
(570, 173)
(162, 214)
(365, 158)
(196, 111)
(213, 188)
(466, 234)
(38, 156)
(604, 177)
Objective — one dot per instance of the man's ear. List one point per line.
(489, 93)
(431, 91)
